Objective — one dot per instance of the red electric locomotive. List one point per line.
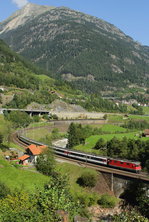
(125, 164)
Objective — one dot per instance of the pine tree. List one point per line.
(72, 136)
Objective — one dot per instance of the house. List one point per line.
(24, 160)
(146, 133)
(31, 154)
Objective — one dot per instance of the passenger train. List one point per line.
(128, 165)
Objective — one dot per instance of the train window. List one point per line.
(99, 159)
(77, 154)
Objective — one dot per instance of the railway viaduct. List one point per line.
(117, 180)
(118, 183)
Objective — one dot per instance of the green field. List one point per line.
(146, 110)
(139, 117)
(109, 128)
(19, 178)
(122, 119)
(4, 125)
(38, 124)
(37, 133)
(74, 172)
(115, 118)
(92, 140)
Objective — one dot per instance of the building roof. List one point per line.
(146, 131)
(24, 157)
(36, 150)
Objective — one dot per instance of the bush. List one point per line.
(4, 190)
(107, 201)
(54, 116)
(46, 163)
(100, 144)
(87, 199)
(105, 116)
(132, 215)
(87, 179)
(36, 118)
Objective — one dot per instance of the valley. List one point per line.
(90, 82)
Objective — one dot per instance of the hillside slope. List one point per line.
(24, 85)
(15, 71)
(91, 53)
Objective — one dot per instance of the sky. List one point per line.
(131, 16)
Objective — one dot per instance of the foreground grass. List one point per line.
(18, 178)
(87, 196)
(74, 172)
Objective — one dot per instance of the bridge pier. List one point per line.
(116, 184)
(112, 185)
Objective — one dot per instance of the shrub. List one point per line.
(100, 144)
(107, 201)
(54, 116)
(105, 116)
(36, 118)
(87, 199)
(45, 162)
(87, 179)
(4, 190)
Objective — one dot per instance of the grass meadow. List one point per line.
(146, 110)
(37, 133)
(18, 178)
(73, 172)
(108, 128)
(92, 140)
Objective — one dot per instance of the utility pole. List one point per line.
(112, 179)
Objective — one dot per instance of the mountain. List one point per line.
(22, 86)
(92, 54)
(20, 17)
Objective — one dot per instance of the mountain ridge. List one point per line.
(66, 43)
(27, 13)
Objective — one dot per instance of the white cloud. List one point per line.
(20, 3)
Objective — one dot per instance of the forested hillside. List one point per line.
(91, 53)
(25, 85)
(15, 71)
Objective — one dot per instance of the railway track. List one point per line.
(16, 140)
(101, 168)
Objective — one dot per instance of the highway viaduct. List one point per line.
(30, 112)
